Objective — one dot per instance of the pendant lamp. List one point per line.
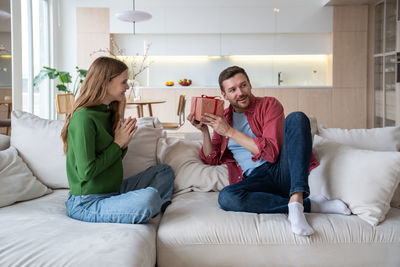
(4, 14)
(133, 15)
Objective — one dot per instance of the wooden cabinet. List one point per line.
(386, 64)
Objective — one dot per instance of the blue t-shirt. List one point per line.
(240, 154)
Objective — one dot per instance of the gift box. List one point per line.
(206, 104)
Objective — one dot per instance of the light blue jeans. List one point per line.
(141, 197)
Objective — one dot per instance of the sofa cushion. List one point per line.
(365, 180)
(381, 139)
(17, 182)
(195, 231)
(191, 174)
(39, 233)
(39, 143)
(142, 148)
(4, 142)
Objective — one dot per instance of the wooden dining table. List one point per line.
(143, 102)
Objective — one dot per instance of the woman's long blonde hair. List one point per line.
(94, 90)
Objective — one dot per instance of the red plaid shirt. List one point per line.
(266, 119)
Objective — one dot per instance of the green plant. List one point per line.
(64, 78)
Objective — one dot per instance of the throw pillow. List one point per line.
(365, 180)
(380, 139)
(39, 144)
(191, 174)
(142, 148)
(17, 182)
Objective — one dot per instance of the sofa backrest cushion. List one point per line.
(39, 144)
(191, 174)
(380, 139)
(17, 182)
(142, 148)
(4, 142)
(364, 179)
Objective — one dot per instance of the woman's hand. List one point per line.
(124, 132)
(199, 125)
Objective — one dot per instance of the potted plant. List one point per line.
(66, 99)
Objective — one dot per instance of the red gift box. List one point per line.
(206, 104)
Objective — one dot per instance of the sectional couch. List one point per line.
(362, 167)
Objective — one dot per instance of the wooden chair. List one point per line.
(7, 122)
(180, 113)
(65, 103)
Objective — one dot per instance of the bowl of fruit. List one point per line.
(169, 83)
(185, 82)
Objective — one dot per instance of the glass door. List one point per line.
(379, 28)
(390, 90)
(378, 91)
(390, 26)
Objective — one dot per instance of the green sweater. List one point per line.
(94, 160)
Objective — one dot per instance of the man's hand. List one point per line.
(219, 124)
(199, 125)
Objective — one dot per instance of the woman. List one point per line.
(95, 141)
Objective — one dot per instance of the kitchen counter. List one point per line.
(255, 87)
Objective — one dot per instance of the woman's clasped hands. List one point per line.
(124, 132)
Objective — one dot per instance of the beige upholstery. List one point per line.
(195, 231)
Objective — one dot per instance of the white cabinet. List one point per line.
(226, 20)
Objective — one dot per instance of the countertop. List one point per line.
(216, 87)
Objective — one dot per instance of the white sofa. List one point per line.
(194, 231)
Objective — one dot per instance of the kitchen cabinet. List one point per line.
(386, 58)
(213, 19)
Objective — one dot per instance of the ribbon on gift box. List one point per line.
(209, 97)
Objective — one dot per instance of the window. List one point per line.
(35, 55)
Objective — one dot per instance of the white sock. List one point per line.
(321, 204)
(297, 219)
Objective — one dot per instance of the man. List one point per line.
(268, 157)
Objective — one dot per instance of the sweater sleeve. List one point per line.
(82, 139)
(269, 144)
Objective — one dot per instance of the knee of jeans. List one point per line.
(228, 200)
(153, 200)
(298, 118)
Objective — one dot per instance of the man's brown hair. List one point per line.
(229, 73)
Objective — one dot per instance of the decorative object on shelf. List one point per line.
(169, 83)
(185, 82)
(133, 16)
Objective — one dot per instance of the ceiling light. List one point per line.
(133, 15)
(4, 14)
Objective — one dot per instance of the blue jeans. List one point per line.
(268, 187)
(141, 197)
